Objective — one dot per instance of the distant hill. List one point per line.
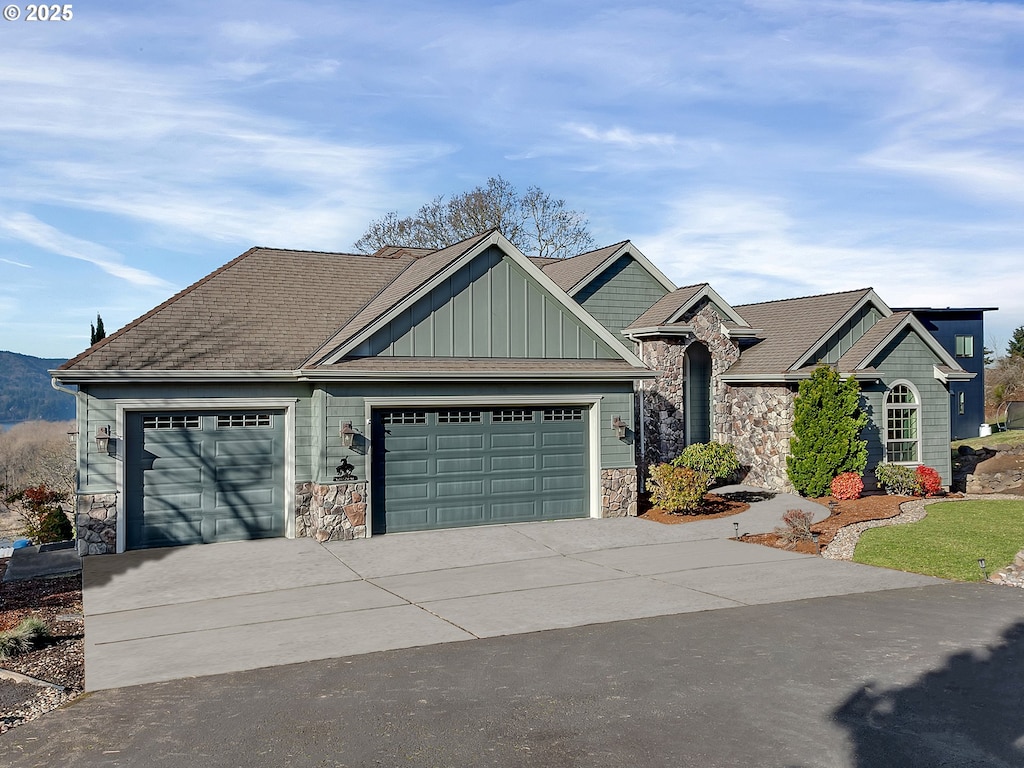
(25, 391)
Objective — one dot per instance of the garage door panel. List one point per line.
(238, 446)
(175, 476)
(462, 488)
(171, 502)
(500, 467)
(230, 499)
(231, 529)
(459, 466)
(513, 463)
(513, 485)
(251, 473)
(514, 441)
(459, 442)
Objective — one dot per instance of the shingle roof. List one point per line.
(567, 273)
(268, 309)
(666, 306)
(790, 328)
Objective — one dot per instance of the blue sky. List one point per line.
(771, 148)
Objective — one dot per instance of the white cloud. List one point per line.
(31, 230)
(16, 263)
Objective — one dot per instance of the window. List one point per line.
(961, 403)
(512, 414)
(965, 346)
(228, 420)
(404, 417)
(458, 417)
(902, 441)
(563, 414)
(170, 422)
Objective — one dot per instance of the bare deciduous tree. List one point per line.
(534, 222)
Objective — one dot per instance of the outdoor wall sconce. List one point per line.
(347, 434)
(619, 426)
(103, 439)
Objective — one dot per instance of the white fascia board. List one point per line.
(659, 330)
(75, 377)
(947, 376)
(869, 297)
(742, 333)
(355, 375)
(626, 248)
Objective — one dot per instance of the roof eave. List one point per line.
(314, 374)
(106, 376)
(947, 376)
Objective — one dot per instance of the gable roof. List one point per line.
(793, 329)
(275, 310)
(672, 307)
(574, 274)
(268, 309)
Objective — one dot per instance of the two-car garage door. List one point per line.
(449, 468)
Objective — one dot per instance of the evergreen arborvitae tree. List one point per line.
(96, 332)
(827, 423)
(1016, 346)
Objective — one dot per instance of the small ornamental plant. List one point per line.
(898, 479)
(929, 480)
(847, 486)
(718, 460)
(677, 489)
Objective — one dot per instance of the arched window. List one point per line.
(902, 431)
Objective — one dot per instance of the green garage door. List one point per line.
(452, 468)
(201, 477)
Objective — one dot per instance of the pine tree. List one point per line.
(96, 332)
(827, 423)
(1016, 346)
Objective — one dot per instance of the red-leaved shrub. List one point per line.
(847, 486)
(930, 481)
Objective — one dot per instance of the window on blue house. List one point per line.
(961, 403)
(965, 346)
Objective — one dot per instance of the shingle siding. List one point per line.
(620, 294)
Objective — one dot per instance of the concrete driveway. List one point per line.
(164, 614)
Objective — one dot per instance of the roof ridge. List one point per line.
(137, 321)
(800, 298)
(595, 250)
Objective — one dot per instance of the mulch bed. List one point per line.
(60, 660)
(715, 506)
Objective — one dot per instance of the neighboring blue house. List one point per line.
(961, 332)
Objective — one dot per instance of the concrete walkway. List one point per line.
(170, 613)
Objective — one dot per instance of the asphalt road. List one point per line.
(926, 676)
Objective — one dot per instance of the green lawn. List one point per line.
(950, 540)
(1012, 437)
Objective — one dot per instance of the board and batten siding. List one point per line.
(908, 358)
(489, 308)
(346, 402)
(620, 294)
(98, 408)
(847, 335)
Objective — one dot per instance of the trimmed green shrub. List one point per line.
(827, 422)
(847, 486)
(24, 637)
(898, 480)
(677, 489)
(718, 460)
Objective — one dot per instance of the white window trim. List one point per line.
(593, 402)
(211, 404)
(885, 421)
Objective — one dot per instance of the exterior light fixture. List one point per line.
(73, 436)
(981, 565)
(833, 506)
(619, 426)
(347, 434)
(736, 527)
(103, 439)
(816, 537)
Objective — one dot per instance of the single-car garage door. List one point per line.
(202, 477)
(451, 468)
